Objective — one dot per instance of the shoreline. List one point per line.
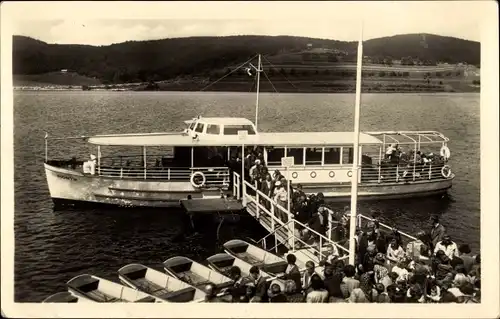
(235, 90)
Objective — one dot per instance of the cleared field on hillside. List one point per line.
(54, 78)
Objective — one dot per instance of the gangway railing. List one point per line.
(264, 205)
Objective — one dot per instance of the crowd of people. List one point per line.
(395, 154)
(430, 269)
(385, 271)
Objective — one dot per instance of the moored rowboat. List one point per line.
(255, 256)
(195, 273)
(223, 262)
(97, 289)
(159, 284)
(63, 297)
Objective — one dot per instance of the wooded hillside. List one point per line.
(139, 61)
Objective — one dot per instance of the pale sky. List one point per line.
(106, 23)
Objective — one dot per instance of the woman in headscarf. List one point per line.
(366, 292)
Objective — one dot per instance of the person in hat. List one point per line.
(437, 231)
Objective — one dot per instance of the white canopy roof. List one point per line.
(311, 139)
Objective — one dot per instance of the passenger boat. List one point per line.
(97, 289)
(223, 262)
(158, 284)
(64, 297)
(198, 162)
(256, 256)
(195, 273)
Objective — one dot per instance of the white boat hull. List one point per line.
(71, 187)
(376, 191)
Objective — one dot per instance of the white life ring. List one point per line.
(446, 171)
(203, 179)
(445, 152)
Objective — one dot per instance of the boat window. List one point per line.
(233, 129)
(199, 127)
(191, 127)
(297, 154)
(213, 129)
(347, 155)
(313, 156)
(332, 155)
(274, 156)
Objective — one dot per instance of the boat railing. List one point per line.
(213, 175)
(404, 173)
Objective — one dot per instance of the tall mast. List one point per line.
(258, 87)
(355, 168)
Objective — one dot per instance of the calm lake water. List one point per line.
(51, 246)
